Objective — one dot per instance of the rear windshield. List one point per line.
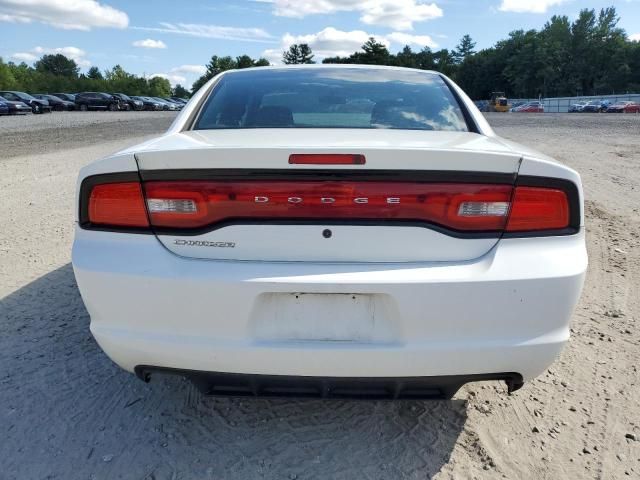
(332, 98)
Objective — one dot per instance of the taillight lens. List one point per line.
(203, 204)
(538, 209)
(117, 204)
(197, 204)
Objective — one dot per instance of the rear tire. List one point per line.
(113, 107)
(83, 107)
(36, 108)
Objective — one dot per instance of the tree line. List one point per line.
(589, 56)
(57, 73)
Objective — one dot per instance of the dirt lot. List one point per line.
(67, 412)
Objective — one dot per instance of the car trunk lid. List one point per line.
(237, 195)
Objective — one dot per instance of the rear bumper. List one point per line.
(394, 388)
(507, 311)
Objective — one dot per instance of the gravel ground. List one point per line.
(67, 412)
(46, 133)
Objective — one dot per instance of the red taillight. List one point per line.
(537, 209)
(197, 204)
(326, 159)
(117, 204)
(203, 204)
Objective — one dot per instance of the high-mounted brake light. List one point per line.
(326, 159)
(117, 204)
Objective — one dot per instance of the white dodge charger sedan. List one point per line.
(331, 231)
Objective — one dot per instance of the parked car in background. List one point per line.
(516, 105)
(530, 107)
(624, 107)
(4, 107)
(56, 103)
(16, 107)
(179, 105)
(148, 103)
(37, 105)
(253, 250)
(70, 97)
(592, 106)
(577, 107)
(596, 106)
(96, 101)
(181, 100)
(165, 105)
(131, 102)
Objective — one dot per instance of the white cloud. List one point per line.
(65, 14)
(332, 42)
(149, 43)
(397, 14)
(211, 31)
(184, 74)
(402, 39)
(190, 69)
(274, 55)
(173, 79)
(4, 17)
(635, 37)
(74, 53)
(400, 15)
(24, 57)
(528, 6)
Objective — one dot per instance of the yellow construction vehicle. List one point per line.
(499, 102)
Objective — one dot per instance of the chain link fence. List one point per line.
(562, 104)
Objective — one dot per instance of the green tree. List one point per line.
(244, 61)
(215, 66)
(554, 52)
(7, 80)
(221, 64)
(375, 53)
(445, 62)
(159, 87)
(57, 64)
(425, 59)
(298, 54)
(464, 49)
(180, 91)
(95, 73)
(407, 58)
(117, 74)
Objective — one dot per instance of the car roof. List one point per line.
(326, 66)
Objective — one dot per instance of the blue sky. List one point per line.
(176, 39)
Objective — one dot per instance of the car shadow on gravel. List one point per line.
(66, 411)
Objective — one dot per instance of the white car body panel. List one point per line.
(375, 301)
(507, 311)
